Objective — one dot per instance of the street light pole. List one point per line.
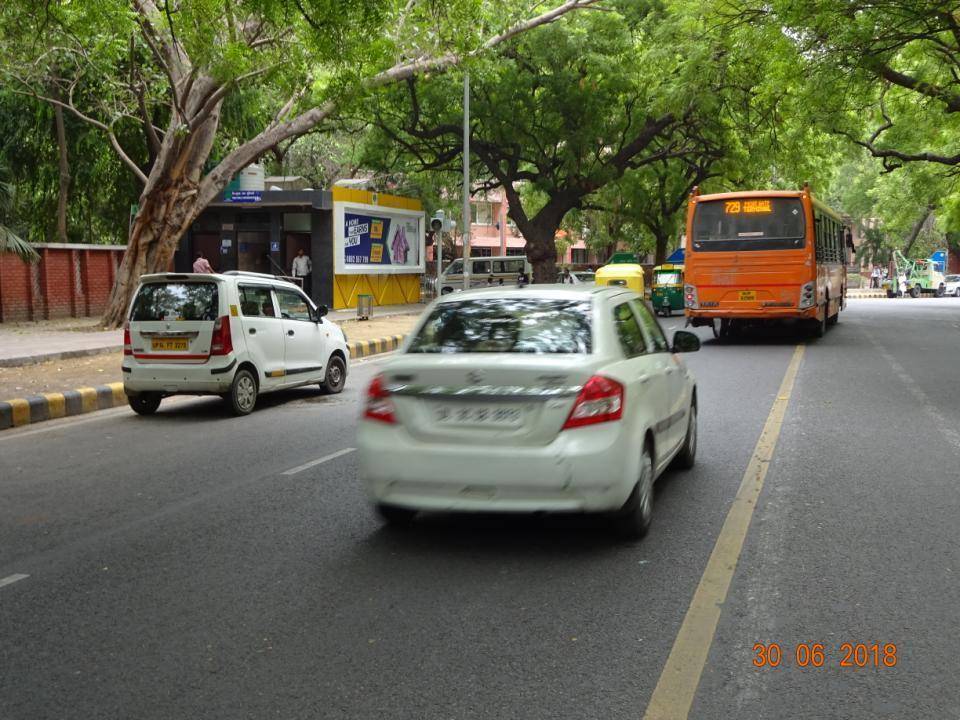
(466, 181)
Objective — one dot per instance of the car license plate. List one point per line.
(495, 416)
(748, 295)
(169, 344)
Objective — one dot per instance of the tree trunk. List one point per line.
(171, 200)
(542, 253)
(915, 231)
(64, 188)
(660, 250)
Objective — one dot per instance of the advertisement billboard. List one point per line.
(375, 239)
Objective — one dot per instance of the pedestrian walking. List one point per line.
(875, 278)
(303, 269)
(201, 264)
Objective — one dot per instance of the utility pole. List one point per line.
(466, 181)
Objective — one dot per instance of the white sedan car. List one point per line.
(951, 285)
(544, 398)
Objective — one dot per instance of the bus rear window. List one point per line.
(176, 301)
(749, 224)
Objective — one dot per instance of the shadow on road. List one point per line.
(203, 408)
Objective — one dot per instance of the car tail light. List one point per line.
(127, 344)
(379, 405)
(221, 343)
(600, 400)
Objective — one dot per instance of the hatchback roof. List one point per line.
(218, 277)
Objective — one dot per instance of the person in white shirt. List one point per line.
(303, 268)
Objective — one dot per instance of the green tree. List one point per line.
(10, 242)
(184, 62)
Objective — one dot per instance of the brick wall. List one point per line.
(69, 281)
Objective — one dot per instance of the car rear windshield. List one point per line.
(176, 301)
(507, 325)
(749, 224)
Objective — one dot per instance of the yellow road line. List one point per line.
(673, 695)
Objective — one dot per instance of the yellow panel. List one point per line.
(365, 197)
(385, 289)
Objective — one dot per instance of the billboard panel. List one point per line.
(376, 239)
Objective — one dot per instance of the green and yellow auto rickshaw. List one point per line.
(666, 289)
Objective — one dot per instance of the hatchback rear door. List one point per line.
(172, 320)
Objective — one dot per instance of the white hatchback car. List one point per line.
(545, 398)
(236, 334)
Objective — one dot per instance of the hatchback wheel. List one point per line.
(335, 377)
(144, 403)
(688, 453)
(633, 520)
(243, 393)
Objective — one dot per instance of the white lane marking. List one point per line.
(318, 461)
(11, 579)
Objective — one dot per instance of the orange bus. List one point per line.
(762, 255)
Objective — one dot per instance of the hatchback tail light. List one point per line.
(379, 406)
(221, 342)
(127, 343)
(600, 400)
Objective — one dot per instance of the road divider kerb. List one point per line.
(366, 348)
(50, 406)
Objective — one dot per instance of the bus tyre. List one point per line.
(820, 324)
(145, 403)
(243, 393)
(632, 521)
(687, 456)
(915, 291)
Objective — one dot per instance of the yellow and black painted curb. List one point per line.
(365, 348)
(48, 406)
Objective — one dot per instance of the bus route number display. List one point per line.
(747, 207)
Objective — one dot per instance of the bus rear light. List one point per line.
(807, 298)
(690, 299)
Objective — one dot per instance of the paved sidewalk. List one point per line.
(31, 343)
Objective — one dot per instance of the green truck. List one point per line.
(913, 278)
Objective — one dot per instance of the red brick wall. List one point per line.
(69, 281)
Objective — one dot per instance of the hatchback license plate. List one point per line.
(479, 415)
(169, 344)
(748, 294)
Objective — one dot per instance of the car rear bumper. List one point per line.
(584, 469)
(214, 376)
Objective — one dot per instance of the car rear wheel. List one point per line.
(633, 520)
(144, 403)
(688, 453)
(394, 515)
(335, 377)
(243, 393)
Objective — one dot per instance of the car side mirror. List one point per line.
(684, 342)
(322, 310)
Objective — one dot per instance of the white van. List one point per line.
(485, 271)
(237, 335)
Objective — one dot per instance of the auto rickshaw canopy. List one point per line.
(626, 274)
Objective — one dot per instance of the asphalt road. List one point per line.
(175, 571)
